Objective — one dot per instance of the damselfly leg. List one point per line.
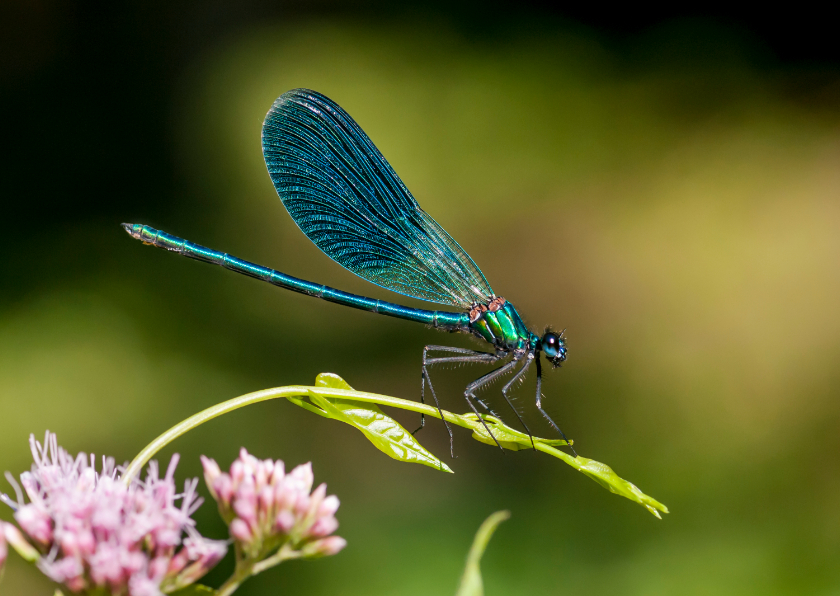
(519, 374)
(543, 412)
(465, 356)
(489, 378)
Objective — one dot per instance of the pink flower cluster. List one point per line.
(96, 533)
(267, 508)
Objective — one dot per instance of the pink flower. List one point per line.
(97, 534)
(266, 508)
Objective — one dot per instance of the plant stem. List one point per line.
(192, 422)
(245, 569)
(285, 553)
(597, 471)
(240, 574)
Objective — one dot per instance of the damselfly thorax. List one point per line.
(500, 325)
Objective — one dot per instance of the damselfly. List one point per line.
(347, 199)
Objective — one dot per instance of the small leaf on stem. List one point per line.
(387, 435)
(471, 584)
(604, 475)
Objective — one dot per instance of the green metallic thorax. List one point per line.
(504, 329)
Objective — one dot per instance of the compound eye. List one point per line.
(551, 345)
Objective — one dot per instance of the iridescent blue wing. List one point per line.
(348, 200)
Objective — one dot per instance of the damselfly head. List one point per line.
(554, 346)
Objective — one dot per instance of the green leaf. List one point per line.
(471, 584)
(604, 475)
(195, 590)
(332, 381)
(601, 473)
(384, 432)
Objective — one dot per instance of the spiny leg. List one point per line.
(539, 407)
(480, 357)
(468, 357)
(507, 387)
(484, 380)
(472, 407)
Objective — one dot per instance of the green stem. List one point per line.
(240, 574)
(245, 569)
(192, 422)
(285, 553)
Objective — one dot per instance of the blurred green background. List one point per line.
(664, 186)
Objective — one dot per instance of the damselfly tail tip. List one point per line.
(129, 228)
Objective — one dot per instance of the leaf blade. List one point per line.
(386, 434)
(606, 477)
(471, 582)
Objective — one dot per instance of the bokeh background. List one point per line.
(665, 185)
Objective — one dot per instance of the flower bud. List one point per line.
(35, 521)
(262, 473)
(323, 527)
(159, 566)
(302, 477)
(211, 473)
(237, 472)
(301, 506)
(284, 522)
(328, 506)
(266, 498)
(178, 562)
(278, 472)
(315, 500)
(30, 485)
(70, 544)
(245, 505)
(222, 491)
(284, 497)
(324, 547)
(204, 553)
(240, 531)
